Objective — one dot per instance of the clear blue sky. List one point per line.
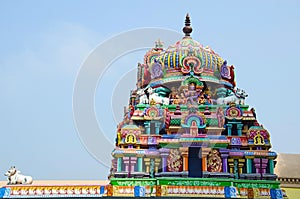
(43, 43)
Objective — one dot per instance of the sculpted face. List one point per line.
(192, 86)
(10, 172)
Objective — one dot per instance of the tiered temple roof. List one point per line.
(187, 119)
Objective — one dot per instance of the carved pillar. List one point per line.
(257, 165)
(147, 127)
(157, 128)
(264, 165)
(140, 164)
(157, 163)
(147, 164)
(204, 164)
(231, 165)
(271, 166)
(126, 162)
(119, 164)
(239, 129)
(205, 152)
(224, 155)
(184, 153)
(241, 163)
(132, 163)
(234, 167)
(229, 127)
(260, 165)
(249, 165)
(164, 153)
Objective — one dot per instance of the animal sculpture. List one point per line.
(241, 94)
(237, 97)
(14, 176)
(158, 99)
(143, 97)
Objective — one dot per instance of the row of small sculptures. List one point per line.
(190, 95)
(147, 95)
(14, 176)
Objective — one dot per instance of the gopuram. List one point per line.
(188, 131)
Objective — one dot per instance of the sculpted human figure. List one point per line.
(191, 94)
(201, 99)
(173, 95)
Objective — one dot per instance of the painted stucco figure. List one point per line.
(14, 176)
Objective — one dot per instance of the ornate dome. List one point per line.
(186, 57)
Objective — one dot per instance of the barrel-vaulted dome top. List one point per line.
(190, 49)
(185, 58)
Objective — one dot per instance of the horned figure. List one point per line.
(158, 99)
(14, 176)
(237, 97)
(241, 94)
(143, 99)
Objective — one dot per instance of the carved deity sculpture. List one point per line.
(191, 94)
(173, 95)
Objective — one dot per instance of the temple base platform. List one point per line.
(179, 187)
(174, 186)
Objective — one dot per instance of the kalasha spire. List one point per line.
(187, 29)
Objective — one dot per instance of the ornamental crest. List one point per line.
(234, 112)
(191, 65)
(214, 161)
(174, 161)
